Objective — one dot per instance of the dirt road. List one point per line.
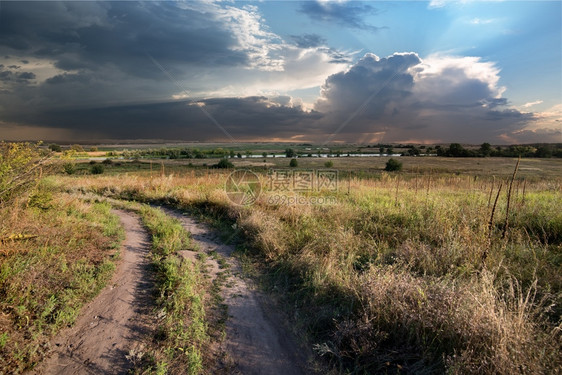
(115, 322)
(257, 342)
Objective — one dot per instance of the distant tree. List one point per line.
(389, 151)
(290, 153)
(414, 151)
(264, 154)
(107, 162)
(329, 164)
(93, 149)
(381, 150)
(293, 163)
(543, 152)
(393, 165)
(485, 149)
(55, 148)
(239, 155)
(77, 148)
(232, 154)
(455, 149)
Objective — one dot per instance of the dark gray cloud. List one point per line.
(10, 75)
(349, 14)
(89, 35)
(243, 118)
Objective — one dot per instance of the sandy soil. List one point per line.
(115, 322)
(257, 339)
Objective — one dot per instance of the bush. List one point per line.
(393, 165)
(55, 148)
(96, 169)
(329, 164)
(21, 165)
(293, 163)
(223, 164)
(107, 162)
(69, 168)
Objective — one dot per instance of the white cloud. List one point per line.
(440, 97)
(530, 104)
(450, 78)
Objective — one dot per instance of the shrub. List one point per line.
(55, 148)
(329, 164)
(107, 162)
(293, 163)
(69, 168)
(21, 165)
(223, 164)
(393, 165)
(96, 169)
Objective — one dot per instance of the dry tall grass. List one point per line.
(392, 279)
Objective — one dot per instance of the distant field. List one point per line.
(484, 167)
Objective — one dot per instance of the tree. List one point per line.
(293, 163)
(290, 153)
(543, 152)
(393, 165)
(455, 149)
(264, 154)
(485, 149)
(389, 151)
(414, 151)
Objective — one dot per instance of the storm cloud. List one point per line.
(167, 70)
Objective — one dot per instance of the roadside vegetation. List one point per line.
(56, 253)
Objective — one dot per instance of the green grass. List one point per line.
(45, 281)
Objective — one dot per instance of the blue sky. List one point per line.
(406, 71)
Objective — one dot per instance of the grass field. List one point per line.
(405, 272)
(428, 270)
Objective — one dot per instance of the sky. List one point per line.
(296, 71)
